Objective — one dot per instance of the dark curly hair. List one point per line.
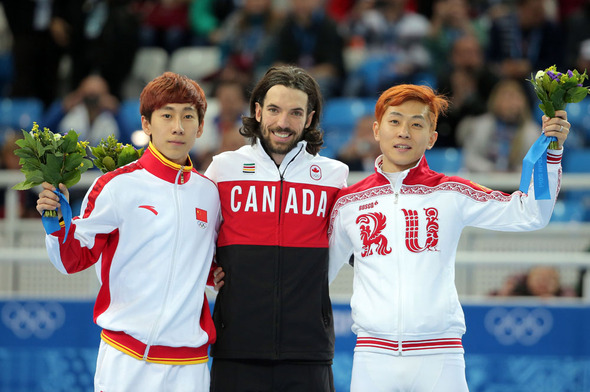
(291, 77)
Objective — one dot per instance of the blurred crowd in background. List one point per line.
(81, 64)
(77, 57)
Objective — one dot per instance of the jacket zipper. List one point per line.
(396, 191)
(277, 287)
(278, 268)
(156, 325)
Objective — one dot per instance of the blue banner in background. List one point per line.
(52, 346)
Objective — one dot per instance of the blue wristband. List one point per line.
(51, 223)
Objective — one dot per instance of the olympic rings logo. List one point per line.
(518, 325)
(33, 318)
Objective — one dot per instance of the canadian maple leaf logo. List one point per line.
(315, 172)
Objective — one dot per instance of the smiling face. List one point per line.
(173, 130)
(404, 134)
(283, 118)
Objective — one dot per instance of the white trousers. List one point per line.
(119, 372)
(374, 372)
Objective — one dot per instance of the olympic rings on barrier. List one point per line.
(518, 325)
(33, 318)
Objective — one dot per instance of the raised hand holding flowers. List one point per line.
(50, 157)
(555, 90)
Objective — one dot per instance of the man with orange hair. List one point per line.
(150, 228)
(402, 225)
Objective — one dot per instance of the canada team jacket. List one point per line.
(150, 228)
(404, 239)
(273, 247)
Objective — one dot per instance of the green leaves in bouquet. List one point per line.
(555, 89)
(110, 154)
(45, 156)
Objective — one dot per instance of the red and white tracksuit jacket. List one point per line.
(150, 227)
(404, 240)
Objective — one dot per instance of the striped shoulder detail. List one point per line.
(105, 179)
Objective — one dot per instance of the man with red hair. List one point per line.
(150, 228)
(401, 225)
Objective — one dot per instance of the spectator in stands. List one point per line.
(498, 140)
(581, 284)
(90, 110)
(394, 41)
(35, 51)
(230, 140)
(310, 39)
(232, 104)
(468, 81)
(577, 30)
(205, 16)
(339, 10)
(6, 71)
(164, 23)
(583, 59)
(539, 281)
(245, 38)
(101, 37)
(360, 152)
(451, 19)
(524, 41)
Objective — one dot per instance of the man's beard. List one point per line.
(280, 149)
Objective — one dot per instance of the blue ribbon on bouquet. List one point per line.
(51, 223)
(536, 158)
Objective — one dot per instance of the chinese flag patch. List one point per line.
(201, 215)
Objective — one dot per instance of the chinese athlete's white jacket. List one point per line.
(150, 227)
(404, 238)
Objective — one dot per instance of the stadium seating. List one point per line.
(569, 211)
(148, 63)
(19, 113)
(129, 119)
(578, 114)
(576, 160)
(446, 160)
(196, 62)
(339, 119)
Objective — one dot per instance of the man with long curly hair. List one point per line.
(273, 315)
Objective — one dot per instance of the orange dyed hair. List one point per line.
(171, 87)
(397, 95)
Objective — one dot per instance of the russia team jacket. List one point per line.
(273, 247)
(404, 238)
(150, 228)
